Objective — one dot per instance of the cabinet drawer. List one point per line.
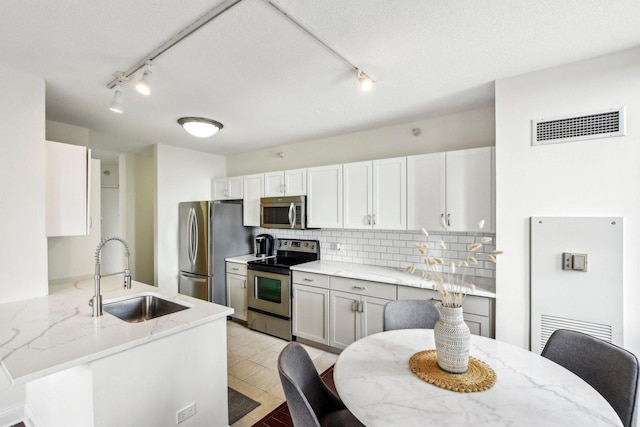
(237, 268)
(471, 304)
(311, 279)
(362, 287)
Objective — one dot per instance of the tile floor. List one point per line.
(252, 369)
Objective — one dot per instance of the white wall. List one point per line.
(181, 175)
(23, 251)
(458, 131)
(588, 178)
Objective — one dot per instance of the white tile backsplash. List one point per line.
(396, 249)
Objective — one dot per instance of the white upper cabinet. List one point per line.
(67, 188)
(470, 193)
(285, 183)
(426, 191)
(324, 197)
(228, 188)
(253, 191)
(456, 186)
(375, 194)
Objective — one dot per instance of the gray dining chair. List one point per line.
(611, 370)
(409, 314)
(310, 401)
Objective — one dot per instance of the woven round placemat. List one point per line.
(478, 377)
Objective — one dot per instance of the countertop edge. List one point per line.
(381, 275)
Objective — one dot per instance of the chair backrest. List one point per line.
(611, 370)
(308, 398)
(410, 314)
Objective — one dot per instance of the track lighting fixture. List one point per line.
(199, 126)
(143, 85)
(116, 105)
(366, 82)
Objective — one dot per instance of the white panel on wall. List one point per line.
(586, 299)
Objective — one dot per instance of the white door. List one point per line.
(220, 189)
(358, 195)
(234, 187)
(295, 182)
(372, 315)
(390, 194)
(324, 197)
(426, 191)
(237, 290)
(253, 191)
(345, 319)
(274, 184)
(311, 313)
(470, 194)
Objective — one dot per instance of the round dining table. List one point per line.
(373, 379)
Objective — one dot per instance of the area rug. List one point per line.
(239, 405)
(280, 416)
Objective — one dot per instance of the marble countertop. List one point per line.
(484, 287)
(243, 259)
(41, 336)
(376, 384)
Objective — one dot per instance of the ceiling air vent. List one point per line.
(601, 124)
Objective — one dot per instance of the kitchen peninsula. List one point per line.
(103, 371)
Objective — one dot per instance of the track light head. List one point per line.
(199, 126)
(116, 105)
(366, 82)
(143, 85)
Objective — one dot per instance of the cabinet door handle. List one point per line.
(360, 288)
(235, 268)
(448, 220)
(354, 306)
(285, 189)
(361, 306)
(369, 219)
(306, 279)
(374, 219)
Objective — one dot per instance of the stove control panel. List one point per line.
(293, 245)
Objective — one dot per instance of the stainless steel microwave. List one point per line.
(283, 212)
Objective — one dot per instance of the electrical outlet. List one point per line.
(339, 247)
(185, 413)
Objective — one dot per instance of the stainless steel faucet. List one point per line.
(96, 301)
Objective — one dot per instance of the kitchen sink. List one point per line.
(141, 308)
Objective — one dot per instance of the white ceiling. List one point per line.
(271, 84)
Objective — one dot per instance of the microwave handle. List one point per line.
(292, 213)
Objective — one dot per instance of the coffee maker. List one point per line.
(264, 245)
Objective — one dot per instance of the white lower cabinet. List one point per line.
(310, 305)
(353, 317)
(478, 312)
(356, 308)
(237, 289)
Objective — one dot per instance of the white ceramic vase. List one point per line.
(453, 339)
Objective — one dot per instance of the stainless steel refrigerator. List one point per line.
(209, 233)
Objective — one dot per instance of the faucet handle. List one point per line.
(127, 279)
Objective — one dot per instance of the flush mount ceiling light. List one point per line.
(116, 105)
(199, 126)
(143, 85)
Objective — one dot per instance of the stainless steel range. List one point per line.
(269, 280)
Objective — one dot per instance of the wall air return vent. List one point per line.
(601, 124)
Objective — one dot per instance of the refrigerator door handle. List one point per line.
(193, 236)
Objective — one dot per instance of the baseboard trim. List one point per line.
(11, 415)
